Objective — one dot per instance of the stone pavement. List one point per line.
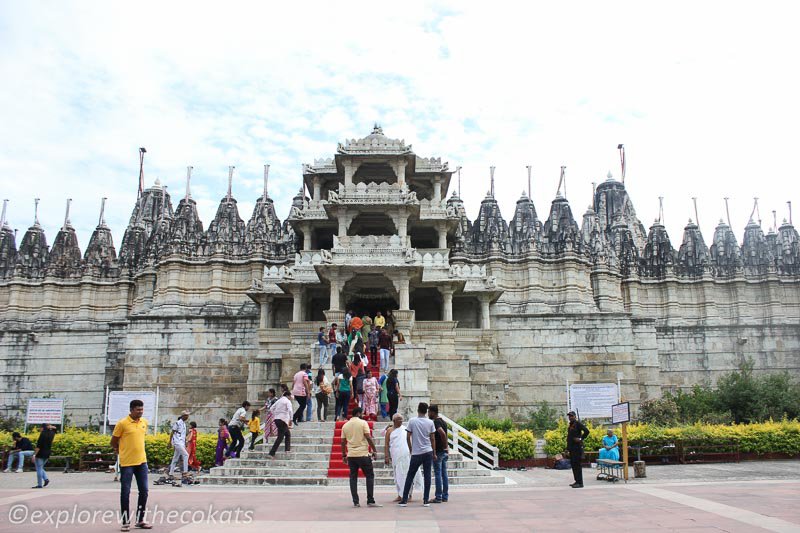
(756, 496)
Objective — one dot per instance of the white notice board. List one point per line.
(45, 411)
(119, 404)
(593, 400)
(620, 412)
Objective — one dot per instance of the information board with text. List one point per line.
(119, 404)
(45, 411)
(593, 400)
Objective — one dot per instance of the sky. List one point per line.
(704, 95)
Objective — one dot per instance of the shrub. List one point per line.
(512, 444)
(661, 411)
(475, 420)
(543, 418)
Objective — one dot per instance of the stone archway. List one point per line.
(369, 293)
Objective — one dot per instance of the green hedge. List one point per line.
(760, 438)
(512, 444)
(72, 441)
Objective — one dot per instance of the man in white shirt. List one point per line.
(178, 442)
(421, 441)
(235, 426)
(282, 415)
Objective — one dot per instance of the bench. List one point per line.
(609, 470)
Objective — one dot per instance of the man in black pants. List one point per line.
(301, 389)
(358, 451)
(575, 435)
(282, 415)
(238, 420)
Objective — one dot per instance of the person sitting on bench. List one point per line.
(610, 449)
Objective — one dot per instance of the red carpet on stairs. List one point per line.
(336, 467)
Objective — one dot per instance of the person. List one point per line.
(222, 442)
(358, 451)
(348, 317)
(385, 348)
(235, 427)
(282, 414)
(177, 441)
(374, 335)
(393, 391)
(380, 321)
(322, 346)
(384, 396)
(341, 341)
(396, 455)
(355, 341)
(371, 391)
(191, 447)
(269, 422)
(339, 361)
(366, 326)
(321, 390)
(440, 464)
(42, 453)
(356, 366)
(22, 449)
(420, 434)
(576, 432)
(127, 440)
(300, 390)
(358, 385)
(343, 387)
(310, 397)
(610, 449)
(332, 340)
(255, 428)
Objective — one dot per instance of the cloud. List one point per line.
(702, 95)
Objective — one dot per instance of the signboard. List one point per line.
(119, 404)
(45, 411)
(620, 412)
(593, 400)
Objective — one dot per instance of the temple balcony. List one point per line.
(437, 210)
(311, 210)
(372, 193)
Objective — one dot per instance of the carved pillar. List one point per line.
(297, 304)
(447, 303)
(335, 294)
(306, 228)
(486, 322)
(400, 283)
(349, 170)
(401, 221)
(317, 189)
(401, 172)
(266, 318)
(437, 190)
(344, 221)
(442, 229)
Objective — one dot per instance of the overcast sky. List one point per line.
(704, 95)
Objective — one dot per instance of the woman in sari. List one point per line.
(268, 424)
(191, 447)
(610, 449)
(371, 391)
(222, 442)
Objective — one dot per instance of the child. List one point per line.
(269, 421)
(255, 428)
(222, 442)
(191, 447)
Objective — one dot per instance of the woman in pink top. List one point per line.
(371, 390)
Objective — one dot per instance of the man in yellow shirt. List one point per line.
(128, 441)
(379, 321)
(358, 450)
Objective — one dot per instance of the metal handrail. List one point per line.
(465, 442)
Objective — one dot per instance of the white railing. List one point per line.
(471, 446)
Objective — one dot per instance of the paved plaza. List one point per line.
(752, 496)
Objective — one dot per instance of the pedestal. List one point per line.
(639, 469)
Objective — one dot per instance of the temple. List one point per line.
(496, 316)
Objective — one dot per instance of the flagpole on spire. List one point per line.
(727, 212)
(774, 221)
(230, 182)
(164, 203)
(529, 180)
(621, 148)
(789, 203)
(562, 180)
(491, 181)
(188, 179)
(696, 218)
(102, 220)
(661, 210)
(266, 180)
(66, 215)
(142, 151)
(458, 171)
(3, 216)
(35, 211)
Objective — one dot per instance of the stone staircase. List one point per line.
(308, 462)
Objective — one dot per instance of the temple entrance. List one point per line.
(368, 294)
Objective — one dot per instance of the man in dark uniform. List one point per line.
(575, 435)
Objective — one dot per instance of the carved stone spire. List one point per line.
(263, 232)
(611, 202)
(525, 226)
(593, 237)
(489, 232)
(455, 204)
(757, 256)
(560, 232)
(158, 244)
(787, 250)
(33, 251)
(100, 258)
(186, 233)
(226, 233)
(726, 256)
(658, 258)
(65, 257)
(693, 257)
(8, 246)
(148, 211)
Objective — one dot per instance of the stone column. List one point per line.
(317, 189)
(297, 304)
(401, 173)
(335, 294)
(349, 170)
(437, 190)
(341, 217)
(306, 236)
(401, 284)
(401, 221)
(447, 303)
(442, 229)
(486, 322)
(265, 319)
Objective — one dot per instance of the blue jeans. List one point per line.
(309, 409)
(323, 354)
(41, 475)
(440, 475)
(426, 461)
(21, 454)
(126, 476)
(343, 404)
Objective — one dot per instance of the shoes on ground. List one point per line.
(426, 504)
(374, 504)
(577, 486)
(436, 500)
(46, 482)
(356, 504)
